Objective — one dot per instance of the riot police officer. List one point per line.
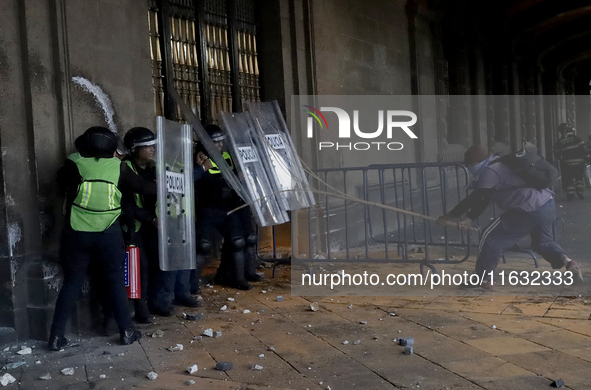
(92, 181)
(215, 198)
(571, 152)
(165, 287)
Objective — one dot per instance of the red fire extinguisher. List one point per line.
(132, 272)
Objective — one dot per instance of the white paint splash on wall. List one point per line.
(101, 98)
(14, 236)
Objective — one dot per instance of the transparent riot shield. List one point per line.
(176, 205)
(274, 144)
(251, 170)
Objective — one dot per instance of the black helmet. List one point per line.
(565, 128)
(215, 133)
(98, 142)
(139, 136)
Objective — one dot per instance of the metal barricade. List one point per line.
(340, 229)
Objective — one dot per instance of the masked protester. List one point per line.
(92, 181)
(215, 199)
(526, 211)
(572, 153)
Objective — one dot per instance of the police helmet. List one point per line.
(138, 137)
(215, 133)
(98, 142)
(565, 128)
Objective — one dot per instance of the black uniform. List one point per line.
(571, 152)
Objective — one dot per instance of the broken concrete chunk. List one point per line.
(393, 314)
(7, 379)
(25, 351)
(45, 377)
(102, 376)
(217, 334)
(224, 366)
(191, 382)
(193, 369)
(345, 342)
(363, 322)
(558, 383)
(279, 298)
(223, 308)
(178, 347)
(314, 306)
(357, 342)
(68, 371)
(157, 333)
(272, 349)
(152, 375)
(257, 367)
(14, 365)
(193, 316)
(246, 311)
(404, 341)
(262, 355)
(231, 299)
(208, 332)
(408, 350)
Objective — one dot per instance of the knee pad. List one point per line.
(204, 246)
(251, 240)
(237, 243)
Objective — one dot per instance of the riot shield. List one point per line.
(263, 201)
(176, 205)
(274, 144)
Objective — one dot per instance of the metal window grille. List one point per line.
(213, 55)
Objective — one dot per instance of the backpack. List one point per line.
(531, 167)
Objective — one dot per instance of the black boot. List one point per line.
(251, 264)
(238, 279)
(186, 301)
(142, 314)
(130, 336)
(56, 343)
(196, 275)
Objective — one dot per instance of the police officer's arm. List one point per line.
(474, 204)
(129, 181)
(68, 176)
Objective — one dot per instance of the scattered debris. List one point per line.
(68, 371)
(191, 382)
(406, 341)
(152, 375)
(363, 322)
(279, 298)
(558, 383)
(272, 349)
(158, 333)
(264, 292)
(393, 314)
(494, 327)
(345, 342)
(193, 316)
(45, 377)
(257, 367)
(224, 366)
(408, 350)
(246, 311)
(231, 299)
(102, 376)
(7, 379)
(357, 342)
(199, 298)
(262, 355)
(178, 347)
(197, 338)
(13, 365)
(38, 362)
(193, 369)
(208, 332)
(223, 308)
(314, 306)
(217, 334)
(25, 351)
(350, 306)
